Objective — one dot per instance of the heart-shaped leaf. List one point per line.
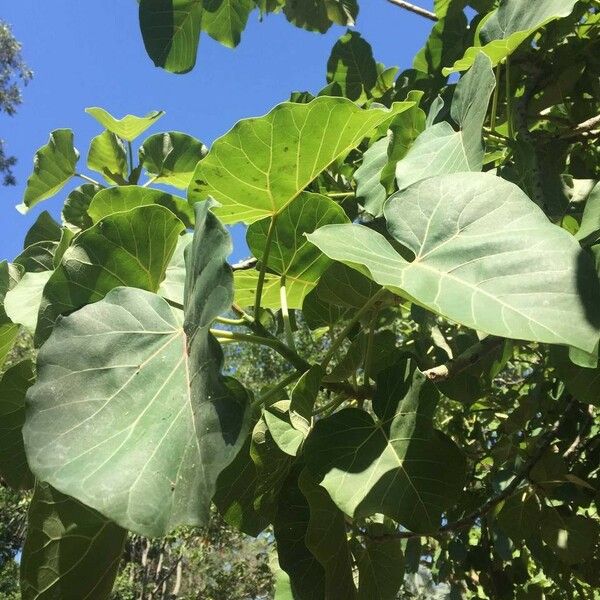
(129, 127)
(262, 164)
(485, 256)
(158, 422)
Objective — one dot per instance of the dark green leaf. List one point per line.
(76, 205)
(71, 552)
(380, 568)
(224, 20)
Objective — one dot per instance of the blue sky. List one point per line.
(90, 53)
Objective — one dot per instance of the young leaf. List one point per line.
(402, 467)
(509, 26)
(171, 32)
(171, 158)
(440, 149)
(263, 164)
(70, 551)
(129, 127)
(486, 257)
(277, 419)
(108, 157)
(159, 422)
(13, 462)
(121, 249)
(293, 256)
(23, 302)
(53, 166)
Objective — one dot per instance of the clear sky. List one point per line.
(90, 53)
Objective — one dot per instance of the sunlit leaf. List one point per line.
(129, 127)
(108, 156)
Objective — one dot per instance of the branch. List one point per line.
(485, 508)
(417, 10)
(465, 360)
(245, 265)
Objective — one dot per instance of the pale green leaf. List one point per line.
(22, 303)
(262, 164)
(245, 290)
(13, 462)
(53, 166)
(129, 127)
(440, 149)
(172, 287)
(285, 435)
(158, 422)
(486, 257)
(507, 27)
(71, 552)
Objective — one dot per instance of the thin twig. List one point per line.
(245, 265)
(468, 358)
(417, 10)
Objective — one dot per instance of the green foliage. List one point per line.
(414, 340)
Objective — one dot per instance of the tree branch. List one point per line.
(468, 358)
(485, 508)
(245, 265)
(417, 10)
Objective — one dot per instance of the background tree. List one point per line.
(14, 74)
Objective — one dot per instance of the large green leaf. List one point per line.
(129, 127)
(262, 164)
(509, 26)
(400, 467)
(159, 422)
(485, 256)
(53, 166)
(131, 248)
(292, 256)
(108, 157)
(224, 20)
(120, 199)
(13, 462)
(171, 158)
(171, 32)
(326, 539)
(440, 149)
(71, 552)
(352, 66)
(245, 290)
(44, 229)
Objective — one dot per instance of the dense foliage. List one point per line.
(425, 252)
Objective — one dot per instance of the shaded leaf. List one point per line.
(520, 515)
(318, 15)
(71, 552)
(589, 232)
(224, 20)
(171, 158)
(583, 383)
(159, 422)
(380, 568)
(572, 538)
(172, 286)
(13, 462)
(402, 467)
(77, 203)
(45, 229)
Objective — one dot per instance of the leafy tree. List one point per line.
(14, 73)
(424, 263)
